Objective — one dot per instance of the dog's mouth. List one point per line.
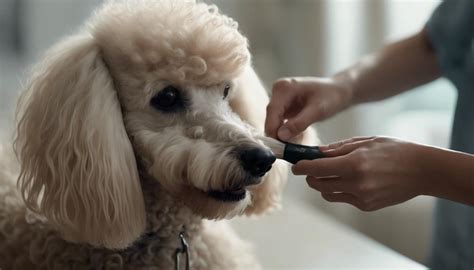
(234, 193)
(230, 195)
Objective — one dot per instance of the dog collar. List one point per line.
(182, 251)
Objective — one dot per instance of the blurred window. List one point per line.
(9, 25)
(423, 114)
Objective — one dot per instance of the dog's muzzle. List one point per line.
(256, 162)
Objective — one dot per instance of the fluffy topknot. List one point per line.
(177, 39)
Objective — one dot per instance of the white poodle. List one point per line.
(130, 135)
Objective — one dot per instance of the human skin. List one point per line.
(371, 172)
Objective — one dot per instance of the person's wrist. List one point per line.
(346, 86)
(423, 158)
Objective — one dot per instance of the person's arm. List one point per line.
(304, 100)
(449, 174)
(375, 172)
(398, 67)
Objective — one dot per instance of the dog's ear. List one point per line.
(78, 167)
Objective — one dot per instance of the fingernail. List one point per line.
(284, 134)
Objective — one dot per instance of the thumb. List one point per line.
(298, 123)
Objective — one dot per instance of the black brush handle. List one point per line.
(296, 152)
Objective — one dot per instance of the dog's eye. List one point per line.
(226, 90)
(168, 99)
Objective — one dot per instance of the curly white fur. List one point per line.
(108, 180)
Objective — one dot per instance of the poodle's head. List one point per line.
(176, 75)
(165, 87)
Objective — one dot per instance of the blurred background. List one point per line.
(287, 37)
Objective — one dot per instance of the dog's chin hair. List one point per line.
(210, 208)
(227, 210)
(240, 207)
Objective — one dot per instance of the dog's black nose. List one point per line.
(257, 161)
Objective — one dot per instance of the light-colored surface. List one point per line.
(299, 237)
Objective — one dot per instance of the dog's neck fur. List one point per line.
(167, 217)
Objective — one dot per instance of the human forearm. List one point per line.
(396, 68)
(447, 174)
(298, 102)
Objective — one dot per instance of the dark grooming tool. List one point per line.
(292, 152)
(296, 152)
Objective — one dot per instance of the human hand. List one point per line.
(302, 101)
(367, 172)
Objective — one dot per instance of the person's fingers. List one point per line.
(342, 197)
(324, 167)
(281, 98)
(297, 124)
(338, 144)
(350, 140)
(273, 121)
(330, 185)
(345, 148)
